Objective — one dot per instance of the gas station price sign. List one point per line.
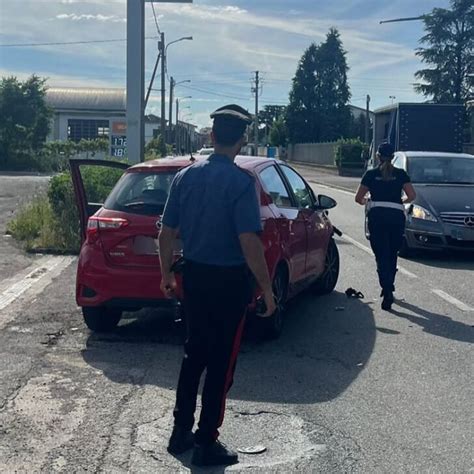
(118, 140)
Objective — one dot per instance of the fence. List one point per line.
(313, 153)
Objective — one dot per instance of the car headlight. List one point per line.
(418, 212)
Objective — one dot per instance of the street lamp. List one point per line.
(184, 38)
(392, 97)
(173, 84)
(178, 131)
(163, 50)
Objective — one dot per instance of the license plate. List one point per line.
(463, 234)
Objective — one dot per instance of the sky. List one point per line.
(232, 40)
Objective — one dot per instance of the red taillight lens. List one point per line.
(94, 224)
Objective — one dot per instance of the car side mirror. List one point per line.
(325, 203)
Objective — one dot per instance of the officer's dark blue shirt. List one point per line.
(212, 202)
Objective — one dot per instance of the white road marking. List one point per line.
(39, 276)
(369, 251)
(332, 188)
(451, 299)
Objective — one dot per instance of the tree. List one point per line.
(449, 50)
(318, 109)
(24, 120)
(333, 89)
(302, 117)
(278, 133)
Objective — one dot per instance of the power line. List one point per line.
(215, 93)
(64, 43)
(156, 19)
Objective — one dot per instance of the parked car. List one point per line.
(119, 266)
(442, 216)
(205, 151)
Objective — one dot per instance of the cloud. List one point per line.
(99, 17)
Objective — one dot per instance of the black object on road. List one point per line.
(351, 293)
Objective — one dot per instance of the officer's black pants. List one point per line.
(215, 302)
(386, 227)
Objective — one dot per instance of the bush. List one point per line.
(350, 154)
(51, 222)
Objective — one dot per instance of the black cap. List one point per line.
(386, 149)
(233, 111)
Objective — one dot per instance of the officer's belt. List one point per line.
(391, 205)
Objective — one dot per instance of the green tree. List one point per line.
(318, 109)
(302, 114)
(24, 120)
(449, 52)
(333, 89)
(278, 133)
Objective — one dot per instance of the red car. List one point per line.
(119, 267)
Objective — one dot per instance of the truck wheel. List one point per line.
(326, 283)
(101, 318)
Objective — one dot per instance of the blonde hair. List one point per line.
(386, 168)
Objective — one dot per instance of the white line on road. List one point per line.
(42, 272)
(369, 251)
(332, 188)
(451, 299)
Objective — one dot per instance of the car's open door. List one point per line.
(92, 182)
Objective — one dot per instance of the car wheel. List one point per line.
(100, 318)
(328, 280)
(274, 324)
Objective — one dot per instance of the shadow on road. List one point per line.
(326, 343)
(436, 324)
(448, 260)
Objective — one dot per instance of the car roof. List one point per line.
(178, 162)
(434, 154)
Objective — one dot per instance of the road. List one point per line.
(347, 388)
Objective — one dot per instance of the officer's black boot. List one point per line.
(214, 454)
(180, 441)
(387, 299)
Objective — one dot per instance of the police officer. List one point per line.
(213, 205)
(386, 216)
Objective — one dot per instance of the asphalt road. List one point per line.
(347, 388)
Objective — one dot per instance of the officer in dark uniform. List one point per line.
(386, 216)
(214, 206)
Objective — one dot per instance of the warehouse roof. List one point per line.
(85, 98)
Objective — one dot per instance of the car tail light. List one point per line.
(96, 224)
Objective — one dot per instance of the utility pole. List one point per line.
(256, 90)
(163, 88)
(177, 126)
(367, 119)
(170, 118)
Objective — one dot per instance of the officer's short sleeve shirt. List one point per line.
(385, 190)
(211, 203)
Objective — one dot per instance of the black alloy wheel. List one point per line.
(326, 283)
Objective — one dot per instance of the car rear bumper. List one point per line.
(439, 236)
(99, 283)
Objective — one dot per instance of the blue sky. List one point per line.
(231, 39)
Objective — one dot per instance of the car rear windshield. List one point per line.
(441, 170)
(141, 193)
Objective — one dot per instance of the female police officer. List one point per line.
(386, 216)
(214, 206)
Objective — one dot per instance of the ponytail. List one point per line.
(386, 168)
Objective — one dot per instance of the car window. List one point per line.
(303, 194)
(275, 186)
(441, 170)
(141, 193)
